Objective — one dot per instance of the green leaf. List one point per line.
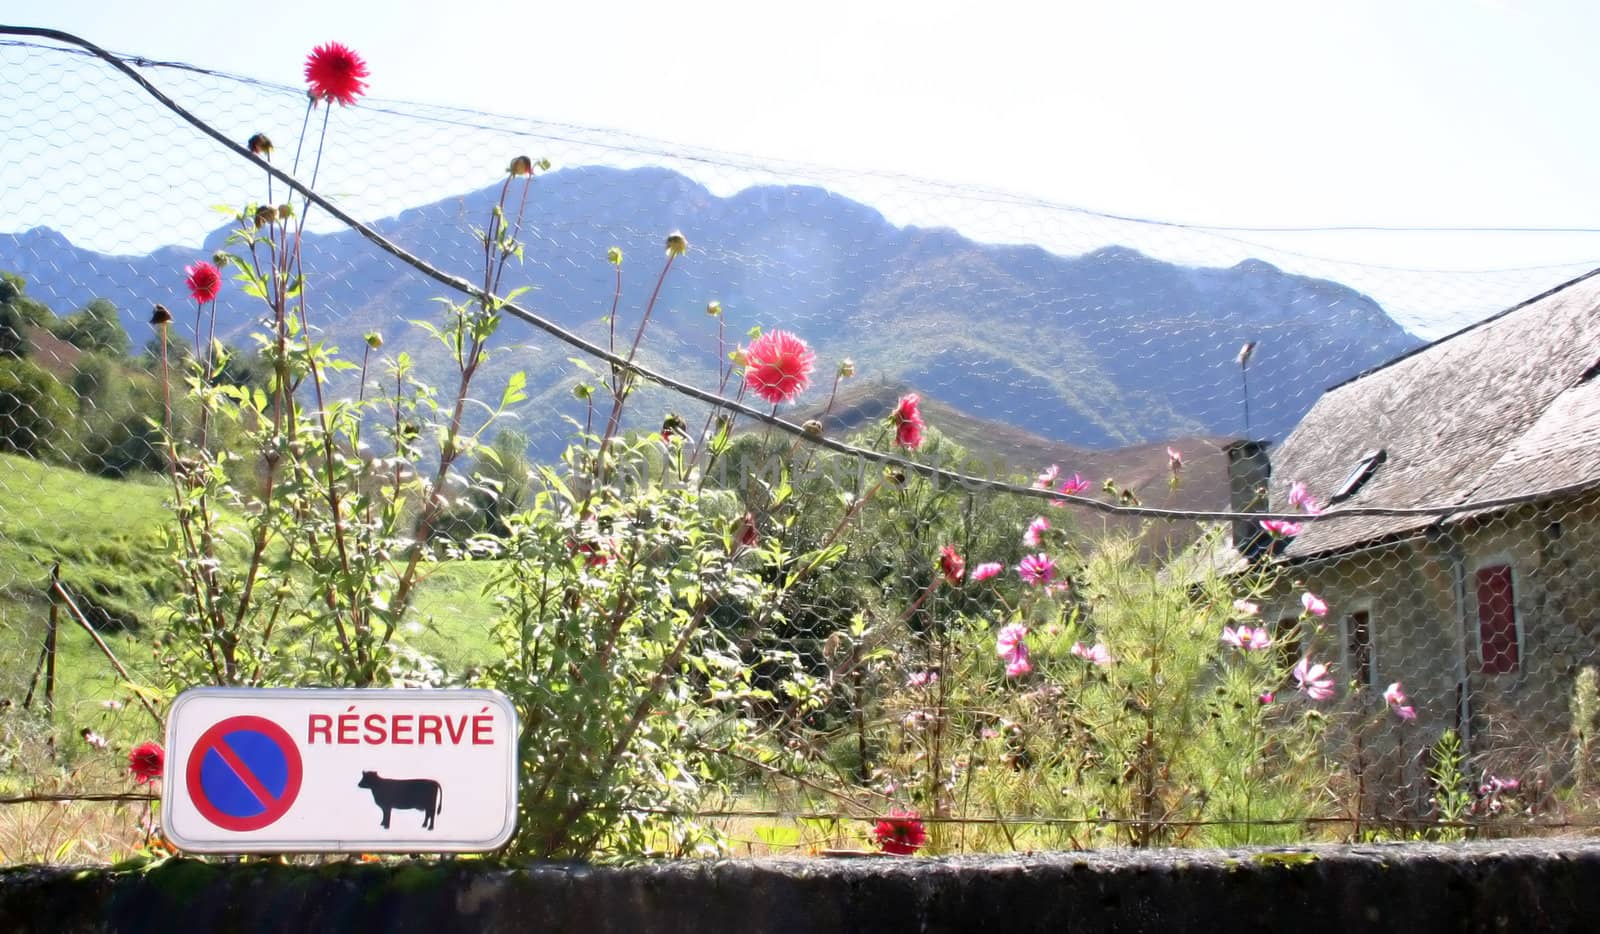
(515, 389)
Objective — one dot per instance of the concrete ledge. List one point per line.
(1410, 888)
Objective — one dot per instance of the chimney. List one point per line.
(1249, 469)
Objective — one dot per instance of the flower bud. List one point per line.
(285, 211)
(160, 317)
(582, 391)
(677, 243)
(220, 259)
(266, 214)
(713, 308)
(374, 340)
(847, 368)
(812, 427)
(614, 256)
(521, 167)
(261, 146)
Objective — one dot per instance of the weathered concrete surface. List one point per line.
(1523, 886)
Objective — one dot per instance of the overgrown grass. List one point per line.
(107, 536)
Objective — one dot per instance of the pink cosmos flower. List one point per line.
(1174, 459)
(1302, 500)
(94, 739)
(1396, 699)
(335, 73)
(1008, 645)
(1246, 607)
(1282, 527)
(1246, 638)
(1074, 485)
(1037, 527)
(778, 366)
(1018, 662)
(1037, 569)
(901, 833)
(1313, 604)
(985, 571)
(1047, 479)
(1265, 697)
(951, 565)
(1314, 680)
(1097, 653)
(922, 679)
(1008, 638)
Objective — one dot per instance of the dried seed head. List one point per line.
(160, 317)
(266, 214)
(521, 167)
(261, 145)
(677, 243)
(812, 427)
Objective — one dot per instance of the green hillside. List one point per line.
(107, 536)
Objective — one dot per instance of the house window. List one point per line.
(1288, 637)
(1358, 657)
(1499, 642)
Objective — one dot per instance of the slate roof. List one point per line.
(1508, 406)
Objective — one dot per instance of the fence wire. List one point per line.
(1186, 535)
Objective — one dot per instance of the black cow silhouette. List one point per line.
(405, 794)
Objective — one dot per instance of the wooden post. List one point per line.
(50, 641)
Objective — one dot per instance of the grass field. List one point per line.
(107, 536)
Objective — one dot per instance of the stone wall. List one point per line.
(1412, 888)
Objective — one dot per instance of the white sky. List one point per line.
(1372, 112)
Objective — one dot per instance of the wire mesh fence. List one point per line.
(789, 523)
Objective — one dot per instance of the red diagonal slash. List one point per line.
(267, 798)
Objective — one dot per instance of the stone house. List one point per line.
(1485, 602)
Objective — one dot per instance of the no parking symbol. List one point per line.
(244, 773)
(340, 770)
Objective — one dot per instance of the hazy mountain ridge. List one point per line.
(1105, 349)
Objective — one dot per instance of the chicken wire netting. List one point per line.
(1186, 535)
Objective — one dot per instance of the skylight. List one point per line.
(1360, 473)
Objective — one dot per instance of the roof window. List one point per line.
(1360, 473)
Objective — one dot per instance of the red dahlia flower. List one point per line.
(952, 565)
(900, 833)
(146, 761)
(334, 73)
(778, 366)
(204, 281)
(908, 422)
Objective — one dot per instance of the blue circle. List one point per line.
(227, 791)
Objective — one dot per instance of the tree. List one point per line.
(96, 327)
(505, 479)
(35, 410)
(13, 334)
(17, 311)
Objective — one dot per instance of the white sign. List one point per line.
(312, 770)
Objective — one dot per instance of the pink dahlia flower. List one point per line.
(335, 73)
(778, 366)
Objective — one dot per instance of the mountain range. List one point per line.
(1108, 349)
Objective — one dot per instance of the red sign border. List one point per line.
(291, 786)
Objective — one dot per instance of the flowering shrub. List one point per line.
(694, 610)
